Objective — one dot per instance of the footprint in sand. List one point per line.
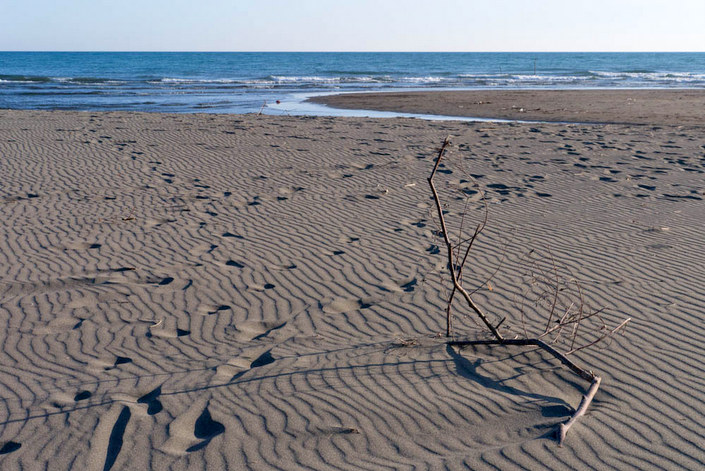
(169, 333)
(193, 430)
(284, 266)
(336, 430)
(9, 447)
(81, 396)
(154, 406)
(210, 309)
(161, 331)
(156, 222)
(166, 281)
(247, 331)
(238, 366)
(57, 325)
(205, 429)
(230, 234)
(341, 305)
(157, 280)
(259, 287)
(409, 286)
(202, 249)
(433, 249)
(222, 307)
(404, 286)
(119, 361)
(59, 400)
(81, 246)
(107, 439)
(264, 359)
(347, 239)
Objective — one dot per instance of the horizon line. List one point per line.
(347, 52)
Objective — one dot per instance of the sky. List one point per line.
(352, 25)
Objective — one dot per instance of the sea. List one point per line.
(280, 82)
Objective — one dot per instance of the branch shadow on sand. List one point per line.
(469, 370)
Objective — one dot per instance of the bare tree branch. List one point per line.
(552, 292)
(449, 248)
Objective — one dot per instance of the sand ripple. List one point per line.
(251, 292)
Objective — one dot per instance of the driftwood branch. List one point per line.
(584, 404)
(449, 248)
(571, 319)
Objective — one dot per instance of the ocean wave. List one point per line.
(55, 93)
(309, 79)
(652, 76)
(359, 79)
(24, 79)
(271, 80)
(347, 79)
(550, 78)
(88, 81)
(593, 78)
(577, 78)
(495, 80)
(32, 79)
(194, 81)
(424, 80)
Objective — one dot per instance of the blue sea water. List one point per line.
(241, 82)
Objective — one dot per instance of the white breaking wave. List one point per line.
(194, 81)
(653, 76)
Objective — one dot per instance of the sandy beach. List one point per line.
(191, 292)
(658, 107)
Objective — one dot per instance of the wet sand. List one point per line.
(656, 107)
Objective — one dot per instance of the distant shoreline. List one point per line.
(239, 83)
(634, 106)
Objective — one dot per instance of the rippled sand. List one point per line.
(256, 292)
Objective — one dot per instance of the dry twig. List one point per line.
(548, 286)
(449, 246)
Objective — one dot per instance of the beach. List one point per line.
(215, 291)
(625, 106)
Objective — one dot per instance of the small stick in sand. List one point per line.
(130, 216)
(157, 324)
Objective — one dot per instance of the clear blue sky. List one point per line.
(352, 25)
